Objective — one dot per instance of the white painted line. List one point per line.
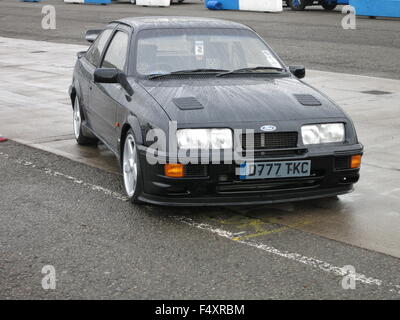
(68, 155)
(312, 262)
(53, 173)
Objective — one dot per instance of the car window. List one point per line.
(169, 50)
(116, 53)
(95, 51)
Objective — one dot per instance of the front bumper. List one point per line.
(218, 184)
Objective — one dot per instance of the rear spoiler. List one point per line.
(91, 35)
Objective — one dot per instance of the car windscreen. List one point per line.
(161, 51)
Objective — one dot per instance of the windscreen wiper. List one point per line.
(203, 70)
(250, 70)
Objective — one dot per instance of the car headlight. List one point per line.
(323, 133)
(204, 138)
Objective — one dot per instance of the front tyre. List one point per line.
(297, 5)
(79, 131)
(131, 169)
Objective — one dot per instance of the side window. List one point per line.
(116, 53)
(95, 51)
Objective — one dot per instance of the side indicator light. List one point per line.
(174, 170)
(356, 161)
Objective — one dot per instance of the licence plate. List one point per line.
(278, 169)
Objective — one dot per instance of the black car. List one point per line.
(203, 112)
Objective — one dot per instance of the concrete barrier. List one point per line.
(377, 8)
(153, 3)
(89, 1)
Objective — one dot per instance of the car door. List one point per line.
(105, 96)
(88, 64)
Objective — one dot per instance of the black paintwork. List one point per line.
(234, 101)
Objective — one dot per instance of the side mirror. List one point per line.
(298, 71)
(91, 35)
(80, 54)
(111, 75)
(106, 75)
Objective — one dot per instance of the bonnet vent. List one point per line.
(187, 103)
(307, 100)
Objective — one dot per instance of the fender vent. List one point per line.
(187, 103)
(307, 100)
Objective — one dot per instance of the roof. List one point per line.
(140, 23)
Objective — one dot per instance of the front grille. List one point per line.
(275, 140)
(276, 153)
(270, 185)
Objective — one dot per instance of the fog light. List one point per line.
(356, 161)
(174, 170)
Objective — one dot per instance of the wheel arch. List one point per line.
(131, 123)
(74, 90)
(72, 95)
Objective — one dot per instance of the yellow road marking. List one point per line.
(265, 232)
(258, 225)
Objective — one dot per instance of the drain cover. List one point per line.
(376, 92)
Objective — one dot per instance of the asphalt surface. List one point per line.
(55, 213)
(314, 38)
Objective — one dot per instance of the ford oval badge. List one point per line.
(268, 128)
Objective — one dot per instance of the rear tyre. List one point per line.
(329, 5)
(297, 5)
(81, 137)
(132, 174)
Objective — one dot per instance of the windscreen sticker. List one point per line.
(199, 50)
(271, 59)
